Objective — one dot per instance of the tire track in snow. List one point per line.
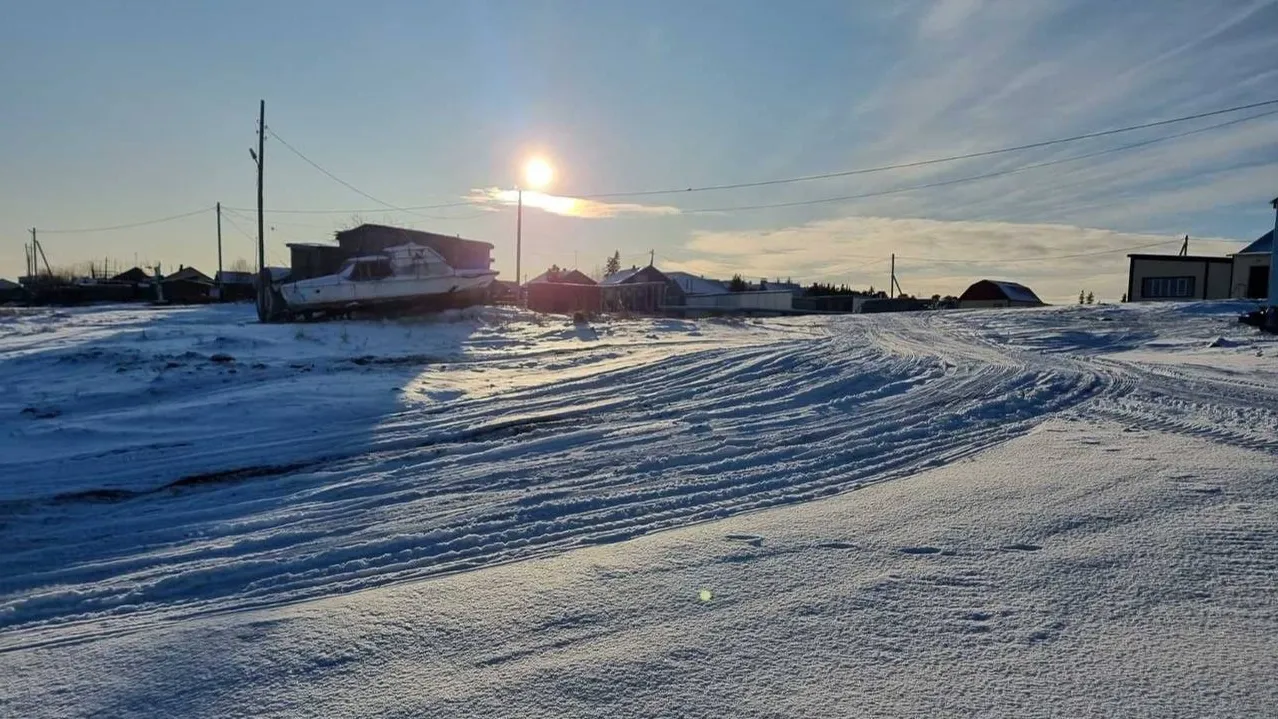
(688, 439)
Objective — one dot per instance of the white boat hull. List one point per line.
(335, 292)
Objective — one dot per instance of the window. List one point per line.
(1167, 288)
(371, 270)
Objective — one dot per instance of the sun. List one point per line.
(538, 173)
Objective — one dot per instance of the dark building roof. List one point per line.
(1264, 243)
(1000, 290)
(189, 274)
(635, 275)
(137, 274)
(562, 277)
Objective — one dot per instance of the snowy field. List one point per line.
(1066, 512)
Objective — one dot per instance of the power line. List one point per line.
(936, 160)
(358, 210)
(227, 217)
(142, 223)
(360, 192)
(973, 178)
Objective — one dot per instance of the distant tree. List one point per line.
(239, 264)
(613, 266)
(763, 283)
(1091, 299)
(738, 284)
(1124, 297)
(1081, 298)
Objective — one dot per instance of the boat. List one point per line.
(408, 276)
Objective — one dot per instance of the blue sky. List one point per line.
(130, 110)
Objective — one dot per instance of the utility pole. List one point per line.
(892, 280)
(261, 162)
(263, 275)
(1184, 247)
(38, 248)
(519, 238)
(1273, 260)
(652, 257)
(219, 252)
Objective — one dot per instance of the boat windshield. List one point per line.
(371, 269)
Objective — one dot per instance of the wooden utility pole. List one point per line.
(892, 280)
(261, 162)
(218, 277)
(519, 238)
(40, 249)
(263, 275)
(652, 257)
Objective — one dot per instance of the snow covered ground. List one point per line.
(1061, 512)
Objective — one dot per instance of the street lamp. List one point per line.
(537, 174)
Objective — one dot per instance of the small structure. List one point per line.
(502, 292)
(872, 305)
(235, 286)
(998, 293)
(1250, 268)
(564, 292)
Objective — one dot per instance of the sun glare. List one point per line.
(538, 173)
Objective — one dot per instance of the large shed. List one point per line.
(313, 259)
(461, 254)
(998, 293)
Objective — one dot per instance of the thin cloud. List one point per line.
(934, 256)
(566, 206)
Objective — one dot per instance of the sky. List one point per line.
(124, 111)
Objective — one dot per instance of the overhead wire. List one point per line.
(142, 223)
(356, 190)
(935, 160)
(974, 178)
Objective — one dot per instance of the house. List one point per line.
(1241, 275)
(1178, 277)
(640, 289)
(998, 293)
(187, 286)
(564, 292)
(1250, 268)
